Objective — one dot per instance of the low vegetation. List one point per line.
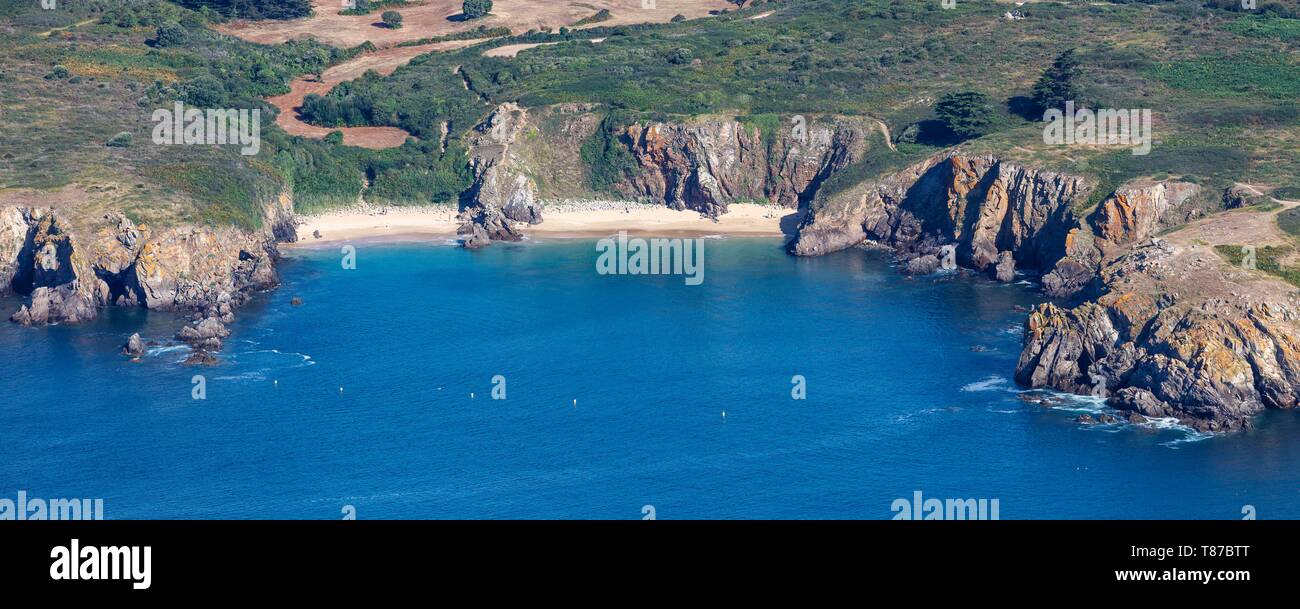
(1268, 259)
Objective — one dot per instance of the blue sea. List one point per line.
(377, 393)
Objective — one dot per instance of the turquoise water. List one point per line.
(908, 388)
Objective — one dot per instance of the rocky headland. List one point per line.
(69, 272)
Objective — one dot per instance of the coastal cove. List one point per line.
(361, 396)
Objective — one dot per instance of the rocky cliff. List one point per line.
(1172, 334)
(503, 192)
(987, 210)
(69, 272)
(1158, 327)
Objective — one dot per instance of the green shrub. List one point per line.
(474, 9)
(170, 35)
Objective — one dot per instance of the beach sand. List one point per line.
(560, 220)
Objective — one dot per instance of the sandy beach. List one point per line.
(584, 219)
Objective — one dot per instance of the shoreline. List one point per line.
(565, 220)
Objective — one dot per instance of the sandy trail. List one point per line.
(560, 221)
(1236, 227)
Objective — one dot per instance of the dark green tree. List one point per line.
(392, 19)
(967, 114)
(170, 35)
(474, 9)
(204, 91)
(1059, 83)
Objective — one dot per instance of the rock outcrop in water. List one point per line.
(134, 346)
(1167, 337)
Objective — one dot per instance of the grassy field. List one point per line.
(1222, 85)
(1289, 222)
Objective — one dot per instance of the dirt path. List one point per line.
(440, 17)
(1237, 227)
(47, 33)
(384, 62)
(512, 50)
(889, 139)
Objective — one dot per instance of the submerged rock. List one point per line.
(923, 265)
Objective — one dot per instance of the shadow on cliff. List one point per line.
(791, 221)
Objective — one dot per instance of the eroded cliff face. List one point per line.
(702, 164)
(1138, 210)
(49, 267)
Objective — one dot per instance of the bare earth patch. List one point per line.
(1200, 270)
